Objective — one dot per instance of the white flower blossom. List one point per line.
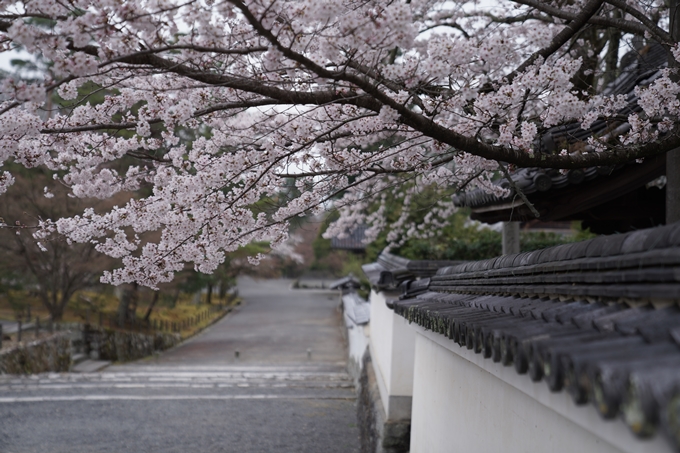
(363, 105)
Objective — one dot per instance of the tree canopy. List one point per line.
(354, 100)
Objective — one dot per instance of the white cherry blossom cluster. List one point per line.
(660, 97)
(193, 115)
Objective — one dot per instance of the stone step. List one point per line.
(85, 376)
(90, 366)
(78, 357)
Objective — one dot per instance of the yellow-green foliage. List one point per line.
(15, 302)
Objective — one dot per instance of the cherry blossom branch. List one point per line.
(471, 178)
(642, 17)
(270, 224)
(471, 144)
(134, 124)
(9, 107)
(375, 170)
(518, 191)
(389, 84)
(622, 24)
(568, 32)
(203, 49)
(453, 25)
(521, 18)
(374, 100)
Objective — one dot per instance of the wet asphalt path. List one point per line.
(275, 397)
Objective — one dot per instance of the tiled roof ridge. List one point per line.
(623, 244)
(530, 180)
(390, 270)
(623, 360)
(391, 261)
(650, 257)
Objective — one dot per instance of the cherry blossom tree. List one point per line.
(353, 99)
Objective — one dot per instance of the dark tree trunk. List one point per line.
(222, 291)
(61, 307)
(611, 59)
(673, 157)
(127, 308)
(156, 294)
(584, 79)
(175, 298)
(56, 310)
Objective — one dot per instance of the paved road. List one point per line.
(199, 396)
(275, 326)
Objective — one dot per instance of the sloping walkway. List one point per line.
(287, 391)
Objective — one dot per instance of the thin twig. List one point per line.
(524, 198)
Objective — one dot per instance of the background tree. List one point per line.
(351, 98)
(53, 269)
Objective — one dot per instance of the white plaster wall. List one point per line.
(357, 342)
(458, 406)
(392, 343)
(403, 354)
(381, 341)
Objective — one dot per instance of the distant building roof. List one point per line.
(621, 198)
(354, 240)
(346, 283)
